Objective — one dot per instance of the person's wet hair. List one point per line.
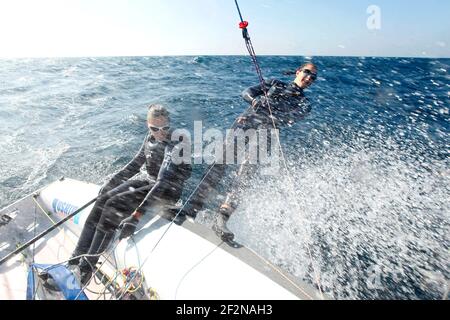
(157, 110)
(294, 72)
(305, 65)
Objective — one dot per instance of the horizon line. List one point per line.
(219, 55)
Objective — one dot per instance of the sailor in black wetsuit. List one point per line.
(288, 105)
(122, 201)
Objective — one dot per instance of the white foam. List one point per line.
(367, 215)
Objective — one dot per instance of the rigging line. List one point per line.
(124, 278)
(101, 279)
(124, 263)
(117, 287)
(43, 210)
(117, 268)
(117, 272)
(97, 293)
(137, 250)
(45, 232)
(316, 275)
(35, 271)
(239, 10)
(195, 265)
(278, 270)
(103, 292)
(139, 263)
(110, 283)
(101, 265)
(243, 25)
(140, 283)
(46, 214)
(33, 253)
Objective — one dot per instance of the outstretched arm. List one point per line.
(250, 94)
(171, 178)
(128, 171)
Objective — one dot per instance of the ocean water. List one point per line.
(368, 208)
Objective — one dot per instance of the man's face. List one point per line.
(306, 76)
(159, 127)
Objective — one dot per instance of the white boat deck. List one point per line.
(191, 262)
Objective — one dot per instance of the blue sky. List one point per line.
(36, 28)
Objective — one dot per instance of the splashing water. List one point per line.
(372, 216)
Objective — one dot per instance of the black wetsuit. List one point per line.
(288, 105)
(287, 102)
(120, 197)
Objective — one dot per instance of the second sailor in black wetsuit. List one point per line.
(122, 201)
(288, 105)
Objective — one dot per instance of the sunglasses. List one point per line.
(308, 72)
(156, 129)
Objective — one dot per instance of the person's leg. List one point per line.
(87, 234)
(167, 195)
(216, 172)
(246, 171)
(118, 207)
(213, 175)
(207, 185)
